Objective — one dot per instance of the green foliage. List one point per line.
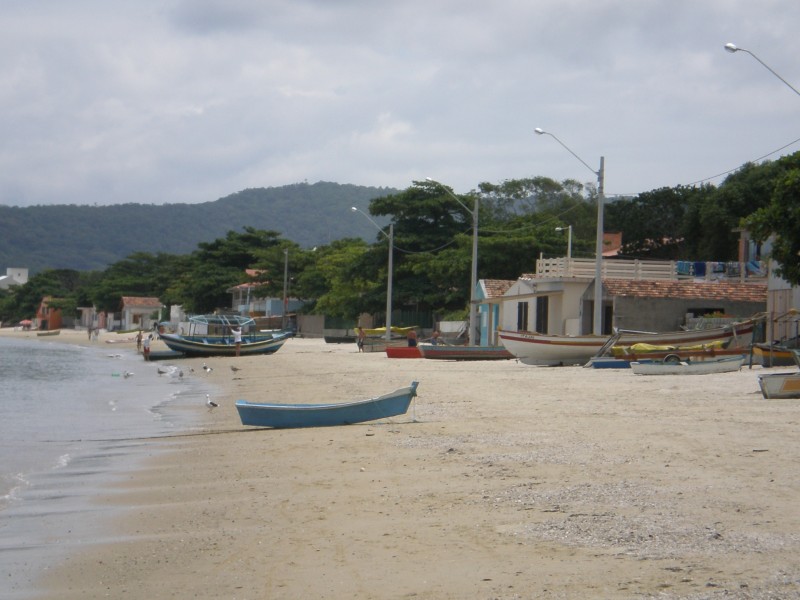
(338, 272)
(141, 274)
(218, 266)
(22, 301)
(432, 249)
(779, 220)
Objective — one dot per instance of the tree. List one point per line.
(219, 265)
(23, 300)
(341, 279)
(651, 223)
(140, 274)
(780, 220)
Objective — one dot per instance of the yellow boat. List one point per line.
(378, 331)
(642, 348)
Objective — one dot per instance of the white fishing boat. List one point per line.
(728, 364)
(780, 385)
(542, 349)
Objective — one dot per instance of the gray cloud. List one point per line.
(187, 101)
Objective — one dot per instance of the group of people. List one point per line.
(143, 344)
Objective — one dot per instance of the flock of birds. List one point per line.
(173, 371)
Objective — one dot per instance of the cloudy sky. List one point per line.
(158, 101)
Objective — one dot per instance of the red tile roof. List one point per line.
(141, 302)
(495, 288)
(733, 291)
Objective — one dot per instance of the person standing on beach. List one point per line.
(146, 350)
(360, 339)
(139, 341)
(412, 339)
(237, 338)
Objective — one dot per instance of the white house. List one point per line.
(637, 295)
(140, 312)
(13, 276)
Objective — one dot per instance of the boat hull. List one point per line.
(285, 416)
(541, 349)
(773, 356)
(780, 385)
(403, 352)
(729, 364)
(445, 352)
(197, 346)
(609, 362)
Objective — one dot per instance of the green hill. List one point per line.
(93, 237)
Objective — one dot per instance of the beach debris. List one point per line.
(210, 403)
(207, 369)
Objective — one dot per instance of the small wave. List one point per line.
(63, 461)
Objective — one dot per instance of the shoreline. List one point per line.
(503, 481)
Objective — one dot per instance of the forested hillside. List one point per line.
(93, 237)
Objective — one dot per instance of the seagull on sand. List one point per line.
(127, 374)
(210, 403)
(207, 369)
(234, 369)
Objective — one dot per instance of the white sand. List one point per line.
(503, 481)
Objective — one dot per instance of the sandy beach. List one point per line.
(503, 481)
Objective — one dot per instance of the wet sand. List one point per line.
(503, 481)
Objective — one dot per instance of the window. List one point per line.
(522, 316)
(542, 308)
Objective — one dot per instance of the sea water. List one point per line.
(73, 420)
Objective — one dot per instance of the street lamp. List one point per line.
(390, 237)
(473, 301)
(598, 261)
(733, 48)
(569, 239)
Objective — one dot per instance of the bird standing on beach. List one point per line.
(235, 369)
(127, 374)
(207, 369)
(210, 403)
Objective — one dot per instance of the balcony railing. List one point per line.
(754, 271)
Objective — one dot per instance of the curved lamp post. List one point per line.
(733, 48)
(598, 261)
(473, 301)
(390, 237)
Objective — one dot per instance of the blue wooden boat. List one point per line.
(324, 415)
(212, 335)
(447, 352)
(608, 362)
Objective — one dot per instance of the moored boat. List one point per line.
(542, 349)
(327, 414)
(728, 364)
(403, 352)
(212, 335)
(773, 355)
(447, 352)
(780, 385)
(48, 332)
